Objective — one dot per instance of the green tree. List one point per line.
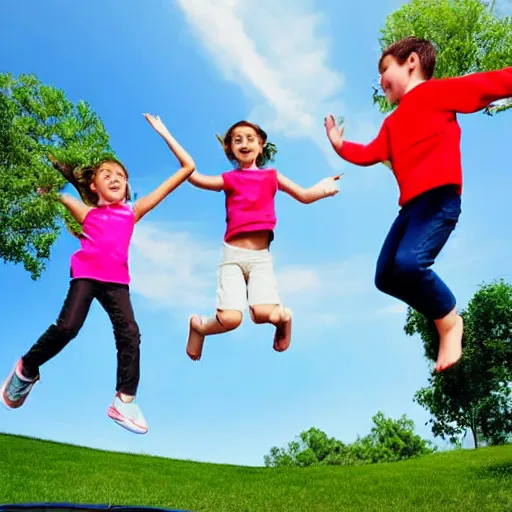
(392, 440)
(469, 36)
(476, 393)
(313, 447)
(37, 121)
(389, 440)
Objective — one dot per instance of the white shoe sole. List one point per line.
(123, 422)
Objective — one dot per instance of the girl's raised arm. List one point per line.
(325, 188)
(213, 183)
(77, 209)
(147, 203)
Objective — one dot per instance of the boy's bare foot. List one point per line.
(195, 338)
(283, 335)
(450, 342)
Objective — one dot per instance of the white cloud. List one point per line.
(173, 268)
(278, 53)
(178, 270)
(394, 309)
(327, 319)
(299, 280)
(462, 254)
(313, 283)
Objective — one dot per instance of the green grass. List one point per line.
(33, 470)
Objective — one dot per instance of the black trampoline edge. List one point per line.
(7, 507)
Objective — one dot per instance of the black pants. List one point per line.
(115, 299)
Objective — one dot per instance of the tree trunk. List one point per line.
(475, 438)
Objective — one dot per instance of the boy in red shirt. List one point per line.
(421, 141)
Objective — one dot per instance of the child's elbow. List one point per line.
(189, 169)
(306, 197)
(192, 178)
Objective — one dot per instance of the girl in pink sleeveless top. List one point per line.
(99, 270)
(246, 274)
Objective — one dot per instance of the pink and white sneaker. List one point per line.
(128, 415)
(16, 388)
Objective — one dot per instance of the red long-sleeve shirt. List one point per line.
(421, 138)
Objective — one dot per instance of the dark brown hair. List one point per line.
(400, 50)
(86, 176)
(228, 138)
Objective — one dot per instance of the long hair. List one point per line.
(84, 176)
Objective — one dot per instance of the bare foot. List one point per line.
(283, 335)
(450, 345)
(195, 338)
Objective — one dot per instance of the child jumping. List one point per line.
(421, 141)
(246, 273)
(99, 270)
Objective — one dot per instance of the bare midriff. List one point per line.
(254, 240)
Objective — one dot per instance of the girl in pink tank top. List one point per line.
(246, 272)
(99, 270)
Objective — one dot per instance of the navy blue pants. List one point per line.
(415, 239)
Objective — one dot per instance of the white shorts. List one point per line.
(246, 277)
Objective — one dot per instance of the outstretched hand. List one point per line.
(329, 186)
(47, 191)
(42, 191)
(157, 124)
(334, 133)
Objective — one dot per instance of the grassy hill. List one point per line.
(33, 470)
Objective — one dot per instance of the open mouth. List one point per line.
(114, 188)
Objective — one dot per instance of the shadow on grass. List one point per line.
(498, 470)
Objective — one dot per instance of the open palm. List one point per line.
(334, 133)
(156, 123)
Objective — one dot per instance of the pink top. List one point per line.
(107, 231)
(249, 200)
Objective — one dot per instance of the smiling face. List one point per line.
(246, 146)
(110, 182)
(404, 64)
(395, 77)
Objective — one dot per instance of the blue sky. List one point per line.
(201, 69)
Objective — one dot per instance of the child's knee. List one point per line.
(258, 315)
(383, 281)
(229, 319)
(67, 330)
(407, 265)
(127, 334)
(263, 314)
